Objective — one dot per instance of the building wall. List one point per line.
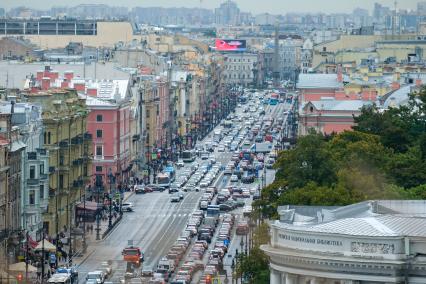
(239, 68)
(108, 34)
(13, 49)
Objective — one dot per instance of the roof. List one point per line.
(380, 218)
(319, 81)
(398, 97)
(338, 105)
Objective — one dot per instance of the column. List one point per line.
(291, 279)
(275, 277)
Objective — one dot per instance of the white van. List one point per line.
(166, 264)
(60, 278)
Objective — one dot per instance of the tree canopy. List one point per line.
(384, 157)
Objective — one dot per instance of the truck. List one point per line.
(264, 147)
(217, 135)
(166, 264)
(133, 256)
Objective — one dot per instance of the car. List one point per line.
(225, 207)
(127, 206)
(221, 148)
(180, 163)
(175, 197)
(173, 189)
(97, 275)
(234, 178)
(181, 195)
(139, 188)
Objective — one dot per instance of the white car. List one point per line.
(221, 148)
(234, 178)
(127, 206)
(180, 163)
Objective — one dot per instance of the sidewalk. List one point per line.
(78, 255)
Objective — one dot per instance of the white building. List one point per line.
(240, 68)
(35, 165)
(381, 241)
(289, 57)
(306, 56)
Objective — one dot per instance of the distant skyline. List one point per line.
(255, 7)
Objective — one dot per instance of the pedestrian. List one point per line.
(39, 268)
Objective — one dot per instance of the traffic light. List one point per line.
(20, 277)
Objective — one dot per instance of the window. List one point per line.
(98, 168)
(61, 181)
(99, 151)
(147, 113)
(41, 193)
(61, 160)
(32, 172)
(48, 137)
(31, 197)
(41, 169)
(99, 133)
(99, 118)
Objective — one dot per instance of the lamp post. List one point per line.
(111, 180)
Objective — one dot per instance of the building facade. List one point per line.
(240, 68)
(380, 241)
(69, 145)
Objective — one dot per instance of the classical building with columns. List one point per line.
(380, 241)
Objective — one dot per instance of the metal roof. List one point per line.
(319, 81)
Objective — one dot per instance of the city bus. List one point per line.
(188, 156)
(163, 180)
(273, 99)
(217, 135)
(171, 171)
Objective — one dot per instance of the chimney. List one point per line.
(395, 86)
(339, 74)
(93, 92)
(54, 75)
(419, 82)
(69, 75)
(12, 107)
(45, 83)
(80, 87)
(65, 84)
(39, 75)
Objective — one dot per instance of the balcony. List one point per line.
(32, 156)
(78, 140)
(63, 144)
(32, 181)
(42, 151)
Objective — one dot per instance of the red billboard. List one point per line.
(230, 45)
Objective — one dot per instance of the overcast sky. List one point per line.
(254, 6)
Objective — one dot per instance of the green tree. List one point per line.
(309, 161)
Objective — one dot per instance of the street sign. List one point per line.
(52, 258)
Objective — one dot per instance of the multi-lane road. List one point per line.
(155, 223)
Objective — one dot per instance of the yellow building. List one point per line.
(69, 145)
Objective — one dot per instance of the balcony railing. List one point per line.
(32, 156)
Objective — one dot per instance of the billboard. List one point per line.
(230, 45)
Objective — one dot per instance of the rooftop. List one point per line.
(338, 105)
(384, 218)
(319, 81)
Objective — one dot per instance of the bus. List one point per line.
(171, 171)
(217, 135)
(273, 99)
(189, 156)
(163, 180)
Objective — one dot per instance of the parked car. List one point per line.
(127, 206)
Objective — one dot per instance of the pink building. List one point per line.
(328, 116)
(109, 124)
(325, 107)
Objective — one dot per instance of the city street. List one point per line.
(156, 222)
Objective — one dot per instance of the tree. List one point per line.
(309, 161)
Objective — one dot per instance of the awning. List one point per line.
(22, 267)
(48, 246)
(88, 205)
(33, 244)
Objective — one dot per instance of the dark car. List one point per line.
(205, 237)
(140, 188)
(225, 207)
(247, 178)
(153, 187)
(256, 195)
(221, 198)
(173, 189)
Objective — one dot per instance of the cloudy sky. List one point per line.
(254, 6)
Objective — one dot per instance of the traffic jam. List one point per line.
(226, 170)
